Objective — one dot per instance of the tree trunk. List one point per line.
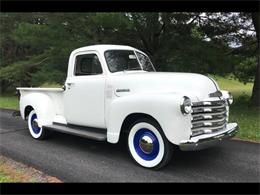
(255, 98)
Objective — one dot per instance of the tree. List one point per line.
(241, 32)
(255, 99)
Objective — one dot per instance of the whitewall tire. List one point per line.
(36, 131)
(148, 145)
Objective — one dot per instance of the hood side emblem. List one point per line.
(122, 90)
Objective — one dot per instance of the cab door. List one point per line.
(84, 95)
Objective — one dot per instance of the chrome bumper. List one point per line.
(207, 140)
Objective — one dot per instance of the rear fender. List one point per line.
(41, 103)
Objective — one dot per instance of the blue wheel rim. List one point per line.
(155, 150)
(35, 129)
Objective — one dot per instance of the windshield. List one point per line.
(145, 62)
(120, 60)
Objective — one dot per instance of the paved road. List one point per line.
(75, 159)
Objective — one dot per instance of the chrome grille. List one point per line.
(208, 116)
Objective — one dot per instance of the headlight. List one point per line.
(230, 98)
(186, 105)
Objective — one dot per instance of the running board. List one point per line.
(86, 132)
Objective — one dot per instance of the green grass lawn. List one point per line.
(248, 118)
(4, 178)
(9, 101)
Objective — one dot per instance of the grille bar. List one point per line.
(208, 103)
(208, 110)
(208, 124)
(210, 128)
(207, 117)
(217, 113)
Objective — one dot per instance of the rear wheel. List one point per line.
(148, 145)
(36, 131)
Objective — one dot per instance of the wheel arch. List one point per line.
(131, 118)
(27, 111)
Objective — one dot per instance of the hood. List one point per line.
(195, 86)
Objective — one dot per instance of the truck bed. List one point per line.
(55, 95)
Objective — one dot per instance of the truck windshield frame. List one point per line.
(127, 60)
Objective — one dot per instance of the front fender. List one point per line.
(41, 103)
(165, 108)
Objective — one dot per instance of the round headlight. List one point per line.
(186, 105)
(230, 98)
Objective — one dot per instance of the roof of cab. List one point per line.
(103, 47)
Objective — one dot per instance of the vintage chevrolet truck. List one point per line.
(114, 90)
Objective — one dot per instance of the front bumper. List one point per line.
(207, 140)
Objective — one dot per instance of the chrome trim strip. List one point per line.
(208, 110)
(209, 106)
(122, 90)
(208, 124)
(217, 127)
(208, 118)
(208, 103)
(211, 113)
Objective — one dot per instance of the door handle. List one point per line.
(70, 83)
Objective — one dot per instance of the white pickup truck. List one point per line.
(114, 90)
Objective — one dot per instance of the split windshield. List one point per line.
(126, 60)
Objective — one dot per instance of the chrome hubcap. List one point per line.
(146, 144)
(35, 124)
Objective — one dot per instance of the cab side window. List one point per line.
(87, 64)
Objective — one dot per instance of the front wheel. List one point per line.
(148, 145)
(36, 131)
